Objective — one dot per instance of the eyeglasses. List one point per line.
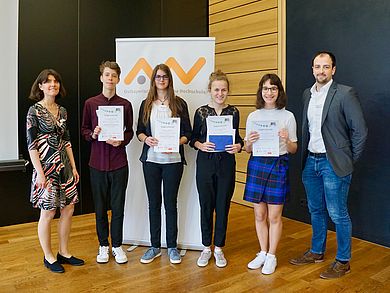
(273, 89)
(161, 77)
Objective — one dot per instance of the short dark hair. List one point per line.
(110, 64)
(281, 101)
(36, 93)
(331, 55)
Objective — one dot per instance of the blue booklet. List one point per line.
(220, 141)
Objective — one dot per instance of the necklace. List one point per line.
(163, 100)
(52, 109)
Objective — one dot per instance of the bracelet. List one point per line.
(145, 139)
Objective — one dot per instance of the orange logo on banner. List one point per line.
(171, 62)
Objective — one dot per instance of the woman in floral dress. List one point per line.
(55, 175)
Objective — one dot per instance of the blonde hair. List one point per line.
(218, 75)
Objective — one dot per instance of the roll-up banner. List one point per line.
(191, 61)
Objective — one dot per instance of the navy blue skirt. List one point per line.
(267, 180)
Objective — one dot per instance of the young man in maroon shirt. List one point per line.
(108, 163)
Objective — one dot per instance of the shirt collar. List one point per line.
(324, 89)
(106, 99)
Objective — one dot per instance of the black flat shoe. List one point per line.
(74, 261)
(55, 267)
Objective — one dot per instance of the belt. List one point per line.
(317, 155)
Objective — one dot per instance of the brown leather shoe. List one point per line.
(336, 270)
(307, 258)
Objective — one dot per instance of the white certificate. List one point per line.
(167, 131)
(268, 143)
(220, 131)
(219, 124)
(110, 119)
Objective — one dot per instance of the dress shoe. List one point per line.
(74, 261)
(336, 270)
(307, 258)
(55, 267)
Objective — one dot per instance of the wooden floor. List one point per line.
(22, 270)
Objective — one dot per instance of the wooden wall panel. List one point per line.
(217, 6)
(246, 83)
(260, 23)
(234, 9)
(212, 2)
(242, 133)
(242, 100)
(240, 176)
(252, 42)
(244, 112)
(242, 161)
(248, 40)
(239, 193)
(263, 58)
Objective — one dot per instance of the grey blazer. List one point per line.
(343, 128)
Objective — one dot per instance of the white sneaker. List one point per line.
(103, 255)
(258, 261)
(204, 258)
(120, 255)
(269, 265)
(220, 259)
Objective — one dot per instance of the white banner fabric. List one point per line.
(191, 61)
(9, 21)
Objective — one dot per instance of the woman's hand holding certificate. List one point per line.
(233, 148)
(167, 132)
(267, 144)
(220, 132)
(206, 146)
(151, 141)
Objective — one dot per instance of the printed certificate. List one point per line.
(110, 119)
(268, 143)
(220, 131)
(167, 131)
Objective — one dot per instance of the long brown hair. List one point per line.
(36, 93)
(174, 104)
(281, 101)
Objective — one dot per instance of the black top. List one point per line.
(185, 128)
(200, 127)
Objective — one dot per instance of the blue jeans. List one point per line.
(327, 192)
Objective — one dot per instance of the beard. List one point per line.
(322, 79)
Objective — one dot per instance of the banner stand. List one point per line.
(191, 61)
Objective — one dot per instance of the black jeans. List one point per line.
(215, 180)
(170, 175)
(109, 189)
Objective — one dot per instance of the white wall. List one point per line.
(9, 80)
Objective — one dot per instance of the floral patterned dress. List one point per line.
(49, 136)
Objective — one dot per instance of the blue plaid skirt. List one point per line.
(267, 180)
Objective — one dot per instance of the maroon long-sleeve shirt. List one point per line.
(105, 157)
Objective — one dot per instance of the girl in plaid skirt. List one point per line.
(267, 183)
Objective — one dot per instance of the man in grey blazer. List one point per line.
(334, 133)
